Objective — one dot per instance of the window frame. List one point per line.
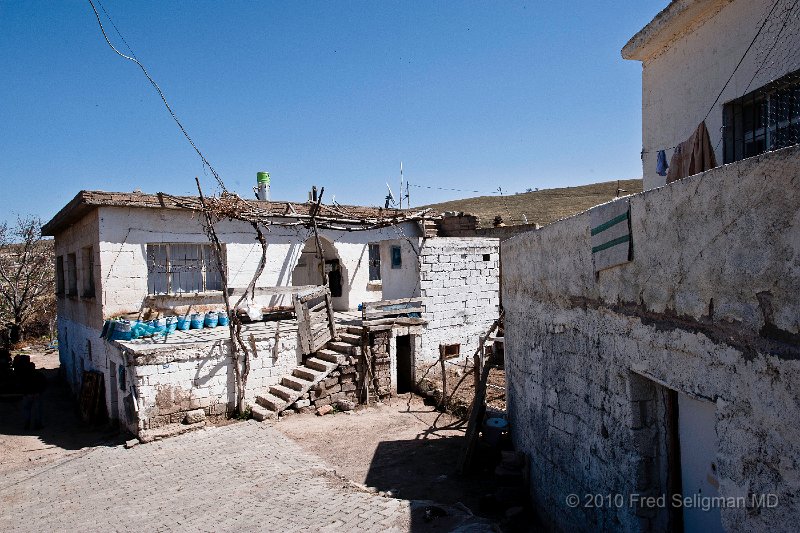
(204, 256)
(71, 275)
(374, 262)
(396, 256)
(750, 126)
(87, 272)
(60, 276)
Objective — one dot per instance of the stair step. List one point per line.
(343, 347)
(355, 330)
(308, 373)
(350, 338)
(296, 383)
(261, 413)
(284, 392)
(330, 356)
(273, 403)
(320, 364)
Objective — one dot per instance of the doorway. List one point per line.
(310, 267)
(698, 463)
(405, 381)
(112, 390)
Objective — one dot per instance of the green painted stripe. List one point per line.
(609, 244)
(613, 222)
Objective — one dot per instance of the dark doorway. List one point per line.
(404, 381)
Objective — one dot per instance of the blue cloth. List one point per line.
(661, 163)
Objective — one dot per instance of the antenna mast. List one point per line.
(401, 185)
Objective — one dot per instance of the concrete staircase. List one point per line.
(303, 378)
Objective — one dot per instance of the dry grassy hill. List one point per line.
(543, 207)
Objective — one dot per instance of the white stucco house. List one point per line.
(140, 256)
(688, 53)
(652, 344)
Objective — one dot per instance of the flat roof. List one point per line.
(673, 21)
(86, 201)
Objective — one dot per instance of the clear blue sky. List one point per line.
(470, 95)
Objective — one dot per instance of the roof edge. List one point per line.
(671, 22)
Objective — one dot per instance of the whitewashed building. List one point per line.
(653, 343)
(137, 256)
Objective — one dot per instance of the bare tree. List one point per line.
(27, 280)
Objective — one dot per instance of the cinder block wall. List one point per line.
(177, 378)
(708, 307)
(459, 286)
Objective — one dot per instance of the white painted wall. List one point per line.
(400, 282)
(460, 290)
(679, 85)
(125, 232)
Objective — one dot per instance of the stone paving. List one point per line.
(243, 477)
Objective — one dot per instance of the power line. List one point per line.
(448, 189)
(132, 58)
(766, 19)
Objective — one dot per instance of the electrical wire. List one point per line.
(448, 189)
(132, 58)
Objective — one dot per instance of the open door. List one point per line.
(404, 364)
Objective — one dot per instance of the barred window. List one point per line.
(764, 120)
(182, 268)
(374, 262)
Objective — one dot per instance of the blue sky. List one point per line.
(469, 95)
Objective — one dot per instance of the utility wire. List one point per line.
(157, 88)
(771, 48)
(763, 24)
(447, 189)
(741, 60)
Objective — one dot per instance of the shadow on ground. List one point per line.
(62, 427)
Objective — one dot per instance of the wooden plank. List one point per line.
(318, 306)
(331, 320)
(270, 291)
(391, 302)
(302, 325)
(371, 314)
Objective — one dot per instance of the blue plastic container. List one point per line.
(122, 331)
(211, 320)
(222, 318)
(172, 324)
(183, 323)
(196, 322)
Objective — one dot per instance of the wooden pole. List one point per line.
(443, 401)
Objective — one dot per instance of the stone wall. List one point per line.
(174, 379)
(708, 308)
(459, 286)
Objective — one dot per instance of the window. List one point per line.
(87, 262)
(181, 268)
(374, 262)
(487, 257)
(72, 275)
(397, 258)
(60, 275)
(763, 120)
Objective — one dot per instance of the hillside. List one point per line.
(543, 207)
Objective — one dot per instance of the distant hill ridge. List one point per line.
(543, 206)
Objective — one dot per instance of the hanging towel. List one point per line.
(661, 163)
(692, 156)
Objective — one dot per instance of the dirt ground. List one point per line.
(63, 434)
(402, 446)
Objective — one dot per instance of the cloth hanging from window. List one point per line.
(692, 156)
(661, 163)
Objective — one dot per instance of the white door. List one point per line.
(696, 427)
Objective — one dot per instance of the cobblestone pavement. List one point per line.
(243, 477)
